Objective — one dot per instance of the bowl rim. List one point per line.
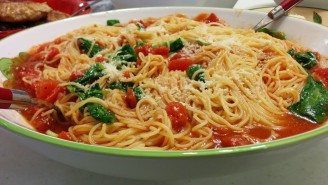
(279, 143)
(14, 128)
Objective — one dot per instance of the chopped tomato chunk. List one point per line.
(100, 59)
(65, 135)
(180, 54)
(179, 64)
(212, 18)
(75, 75)
(145, 49)
(208, 18)
(178, 115)
(126, 75)
(322, 75)
(48, 90)
(131, 99)
(161, 50)
(234, 140)
(53, 52)
(138, 63)
(57, 40)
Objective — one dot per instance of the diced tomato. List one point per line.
(57, 40)
(148, 49)
(48, 90)
(221, 131)
(208, 18)
(234, 140)
(42, 123)
(40, 48)
(260, 132)
(53, 52)
(65, 135)
(25, 70)
(147, 22)
(212, 18)
(179, 64)
(29, 111)
(180, 54)
(317, 55)
(322, 75)
(130, 98)
(126, 75)
(178, 115)
(162, 50)
(201, 17)
(75, 75)
(145, 49)
(54, 94)
(100, 59)
(138, 63)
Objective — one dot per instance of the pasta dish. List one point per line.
(172, 83)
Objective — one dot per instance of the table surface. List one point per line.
(19, 165)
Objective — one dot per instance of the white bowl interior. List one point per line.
(118, 4)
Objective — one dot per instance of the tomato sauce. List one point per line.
(44, 123)
(291, 125)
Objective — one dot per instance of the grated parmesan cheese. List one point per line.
(111, 69)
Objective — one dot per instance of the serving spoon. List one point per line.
(277, 13)
(20, 100)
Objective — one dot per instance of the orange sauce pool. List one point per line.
(291, 125)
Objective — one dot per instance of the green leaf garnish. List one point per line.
(5, 67)
(317, 18)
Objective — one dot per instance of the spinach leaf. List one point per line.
(112, 22)
(140, 26)
(175, 45)
(100, 113)
(94, 72)
(140, 43)
(88, 47)
(123, 86)
(124, 53)
(138, 93)
(291, 52)
(97, 111)
(195, 68)
(5, 68)
(94, 91)
(317, 18)
(313, 103)
(276, 34)
(307, 59)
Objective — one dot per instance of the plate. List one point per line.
(68, 7)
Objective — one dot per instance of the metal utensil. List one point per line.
(276, 13)
(85, 7)
(19, 100)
